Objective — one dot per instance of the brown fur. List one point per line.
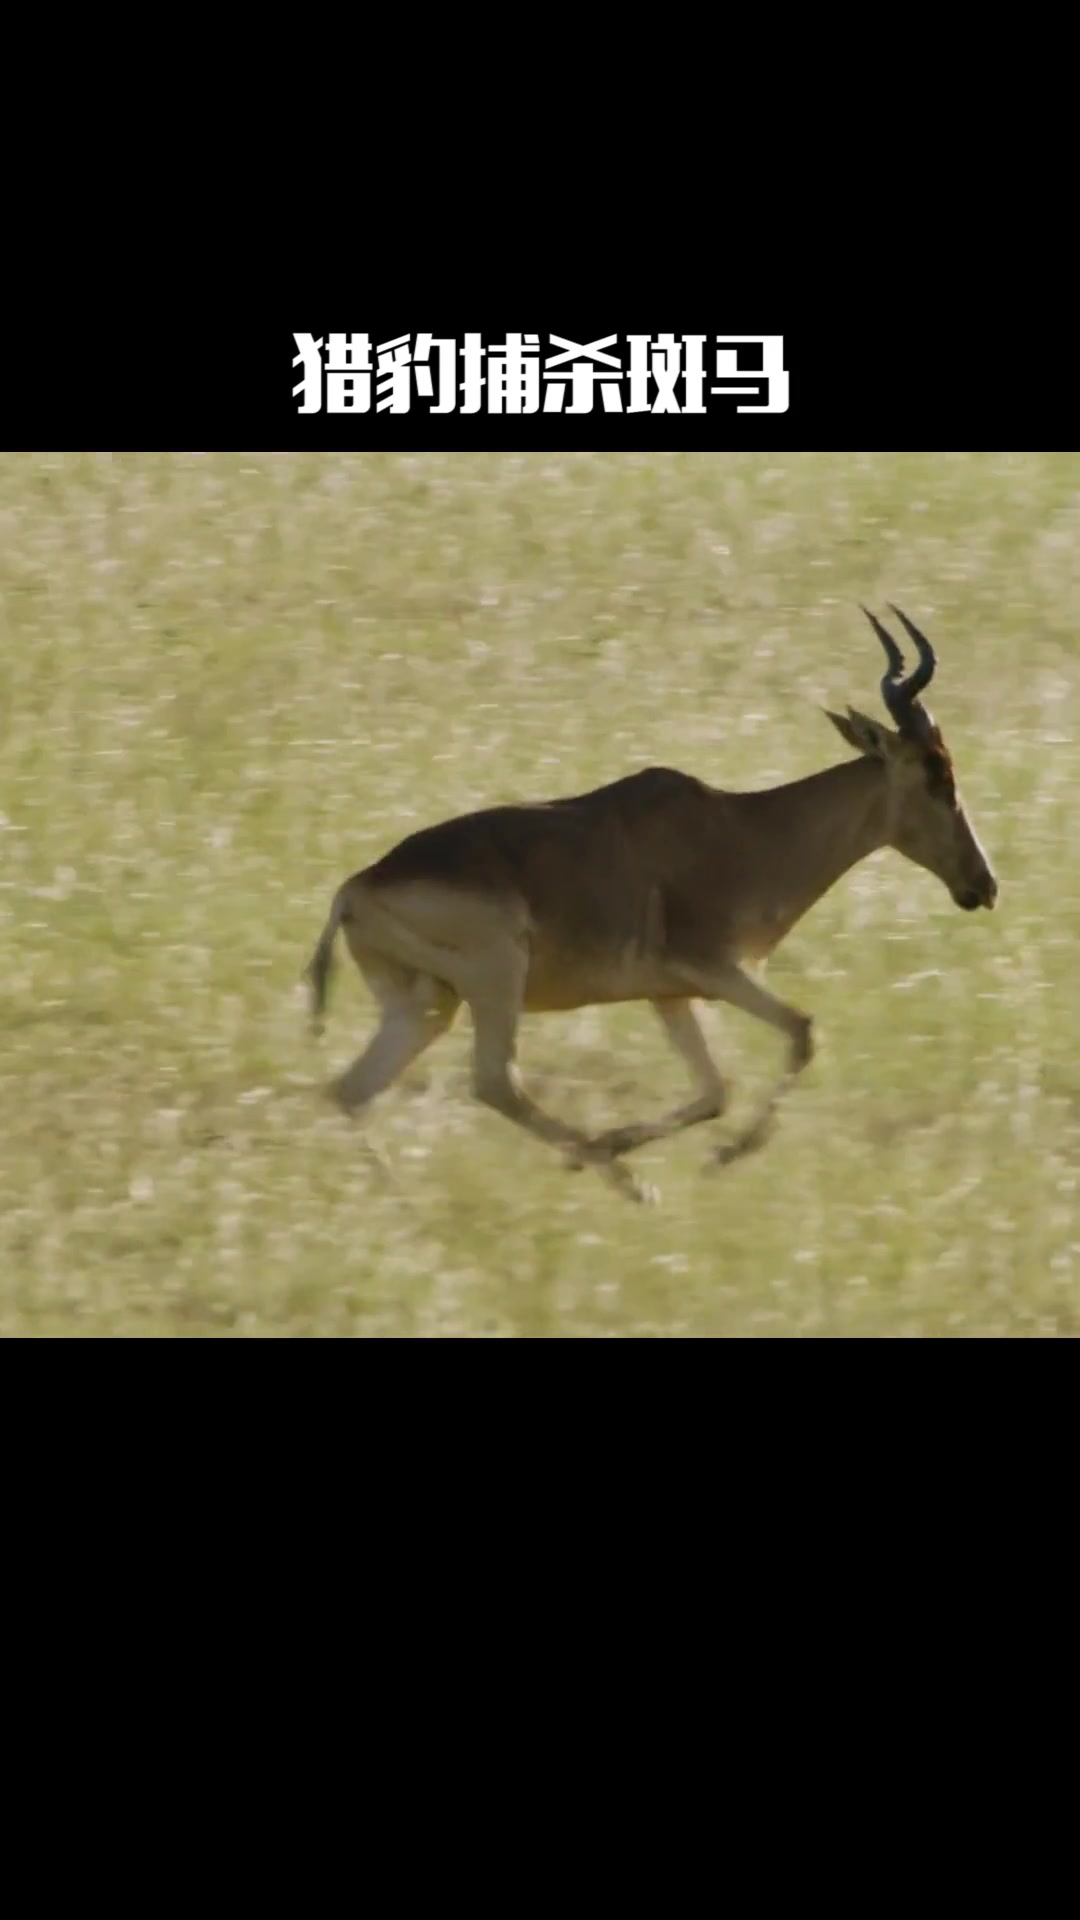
(653, 887)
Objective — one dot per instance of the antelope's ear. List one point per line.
(864, 735)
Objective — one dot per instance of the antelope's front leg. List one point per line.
(737, 988)
(680, 1024)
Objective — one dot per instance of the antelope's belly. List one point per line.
(556, 982)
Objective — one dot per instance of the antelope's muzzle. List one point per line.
(983, 895)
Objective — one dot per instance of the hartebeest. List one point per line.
(656, 887)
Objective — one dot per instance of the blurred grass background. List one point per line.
(228, 680)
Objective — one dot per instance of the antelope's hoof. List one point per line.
(591, 1153)
(598, 1156)
(619, 1140)
(639, 1191)
(750, 1142)
(337, 1093)
(803, 1047)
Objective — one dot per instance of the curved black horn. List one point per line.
(924, 672)
(899, 694)
(896, 658)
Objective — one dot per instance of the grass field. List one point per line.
(228, 680)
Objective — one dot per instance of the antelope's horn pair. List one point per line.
(901, 696)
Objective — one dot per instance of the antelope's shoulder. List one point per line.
(647, 790)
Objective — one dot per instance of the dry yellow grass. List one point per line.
(230, 679)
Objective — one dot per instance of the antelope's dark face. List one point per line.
(925, 819)
(929, 825)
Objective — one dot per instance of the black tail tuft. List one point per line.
(317, 974)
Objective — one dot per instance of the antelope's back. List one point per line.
(587, 867)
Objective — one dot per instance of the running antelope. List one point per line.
(656, 887)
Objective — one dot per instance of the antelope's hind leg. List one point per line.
(416, 1011)
(495, 1000)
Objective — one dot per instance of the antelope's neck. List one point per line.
(811, 832)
